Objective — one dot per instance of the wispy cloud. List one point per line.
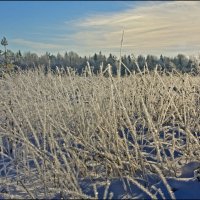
(152, 27)
(39, 47)
(35, 45)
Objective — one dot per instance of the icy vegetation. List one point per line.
(99, 136)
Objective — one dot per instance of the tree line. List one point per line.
(11, 61)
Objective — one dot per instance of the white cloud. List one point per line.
(35, 45)
(151, 27)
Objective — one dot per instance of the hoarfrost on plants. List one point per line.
(95, 136)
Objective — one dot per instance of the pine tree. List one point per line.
(4, 42)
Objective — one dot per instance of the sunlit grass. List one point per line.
(64, 128)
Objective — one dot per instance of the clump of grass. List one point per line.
(65, 128)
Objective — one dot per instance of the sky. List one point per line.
(86, 27)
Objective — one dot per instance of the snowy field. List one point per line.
(99, 137)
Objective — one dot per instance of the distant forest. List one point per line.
(12, 61)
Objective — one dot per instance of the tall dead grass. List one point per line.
(59, 129)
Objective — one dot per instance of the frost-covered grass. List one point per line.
(98, 137)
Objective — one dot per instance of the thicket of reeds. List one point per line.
(57, 130)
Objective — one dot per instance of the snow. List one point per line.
(188, 169)
(189, 189)
(186, 186)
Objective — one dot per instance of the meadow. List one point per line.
(95, 136)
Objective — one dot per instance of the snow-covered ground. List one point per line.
(186, 186)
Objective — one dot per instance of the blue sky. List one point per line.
(87, 27)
